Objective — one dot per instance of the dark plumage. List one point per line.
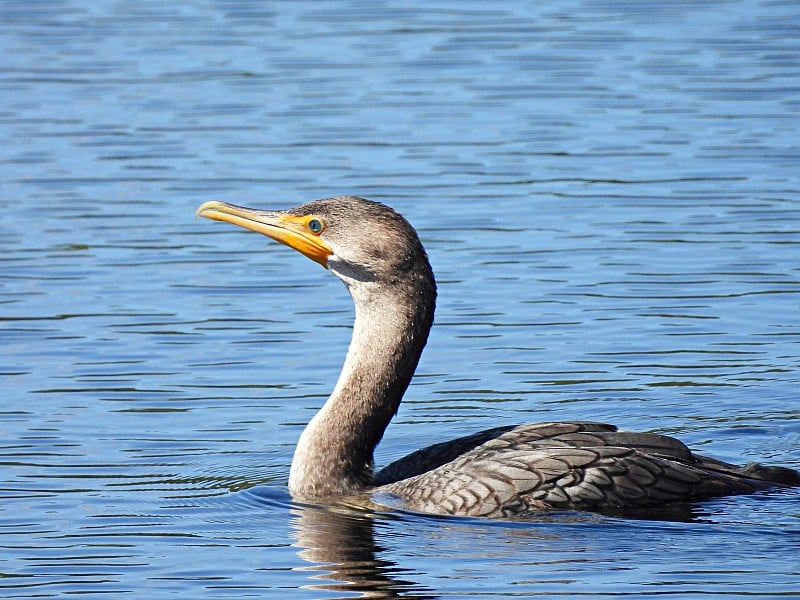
(499, 472)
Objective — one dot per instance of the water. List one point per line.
(609, 194)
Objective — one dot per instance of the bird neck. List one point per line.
(334, 455)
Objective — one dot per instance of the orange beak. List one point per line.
(284, 228)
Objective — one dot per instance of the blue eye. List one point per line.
(316, 226)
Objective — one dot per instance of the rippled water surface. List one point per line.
(610, 196)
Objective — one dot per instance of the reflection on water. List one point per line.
(341, 543)
(609, 196)
(340, 547)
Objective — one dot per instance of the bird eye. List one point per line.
(315, 226)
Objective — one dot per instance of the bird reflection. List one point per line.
(339, 543)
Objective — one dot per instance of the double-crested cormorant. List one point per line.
(499, 472)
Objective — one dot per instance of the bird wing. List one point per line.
(429, 458)
(560, 465)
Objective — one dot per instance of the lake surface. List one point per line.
(610, 196)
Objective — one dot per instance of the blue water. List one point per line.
(610, 196)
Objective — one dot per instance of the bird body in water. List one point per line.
(503, 471)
